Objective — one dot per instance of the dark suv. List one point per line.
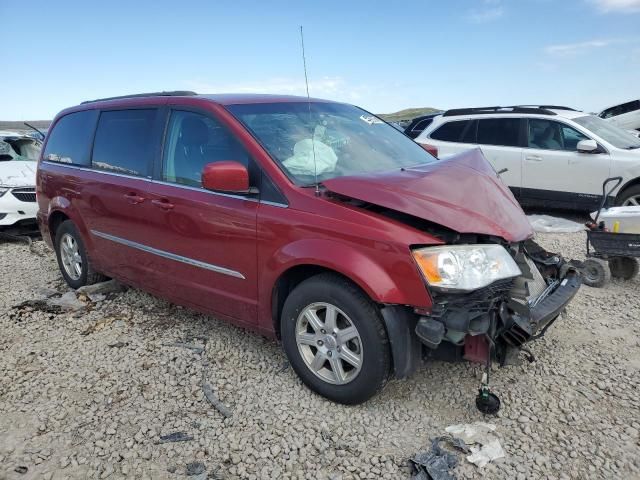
(311, 221)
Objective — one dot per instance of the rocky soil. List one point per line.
(97, 393)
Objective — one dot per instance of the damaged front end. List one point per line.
(496, 321)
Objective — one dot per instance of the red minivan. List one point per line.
(307, 220)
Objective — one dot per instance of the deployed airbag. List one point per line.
(311, 157)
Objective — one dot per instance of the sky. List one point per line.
(382, 56)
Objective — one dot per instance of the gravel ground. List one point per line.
(89, 394)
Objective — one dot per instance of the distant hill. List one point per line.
(407, 114)
(19, 125)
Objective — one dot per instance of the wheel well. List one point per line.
(628, 185)
(287, 281)
(55, 220)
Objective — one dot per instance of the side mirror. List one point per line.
(587, 146)
(226, 176)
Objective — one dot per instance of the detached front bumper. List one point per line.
(523, 329)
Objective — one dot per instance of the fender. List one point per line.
(63, 205)
(406, 287)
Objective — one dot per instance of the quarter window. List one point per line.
(192, 141)
(124, 141)
(551, 135)
(450, 131)
(70, 139)
(499, 131)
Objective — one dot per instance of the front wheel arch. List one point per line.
(630, 186)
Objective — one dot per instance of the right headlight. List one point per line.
(4, 190)
(465, 267)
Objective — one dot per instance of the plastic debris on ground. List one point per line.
(484, 444)
(436, 463)
(549, 224)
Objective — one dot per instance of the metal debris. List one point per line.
(176, 437)
(213, 399)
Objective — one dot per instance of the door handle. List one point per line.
(533, 158)
(163, 204)
(133, 198)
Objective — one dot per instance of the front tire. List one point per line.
(335, 339)
(73, 260)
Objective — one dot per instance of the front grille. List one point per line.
(24, 194)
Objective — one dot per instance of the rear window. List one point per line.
(124, 141)
(499, 131)
(70, 139)
(450, 131)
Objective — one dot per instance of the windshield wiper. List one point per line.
(632, 147)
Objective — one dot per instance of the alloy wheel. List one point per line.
(329, 343)
(633, 201)
(70, 256)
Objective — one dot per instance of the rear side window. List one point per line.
(499, 131)
(70, 139)
(450, 131)
(124, 141)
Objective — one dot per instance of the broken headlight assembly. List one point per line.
(465, 268)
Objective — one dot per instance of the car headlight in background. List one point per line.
(4, 190)
(465, 267)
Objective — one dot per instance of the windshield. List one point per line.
(22, 148)
(616, 136)
(328, 139)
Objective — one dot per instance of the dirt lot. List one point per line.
(89, 394)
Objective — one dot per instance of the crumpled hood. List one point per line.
(462, 193)
(17, 173)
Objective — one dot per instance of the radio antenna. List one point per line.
(313, 133)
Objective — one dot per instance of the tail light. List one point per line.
(430, 148)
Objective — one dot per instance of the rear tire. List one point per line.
(73, 260)
(595, 273)
(624, 267)
(335, 339)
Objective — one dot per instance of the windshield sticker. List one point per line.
(370, 119)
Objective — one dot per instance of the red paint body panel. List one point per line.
(462, 193)
(259, 241)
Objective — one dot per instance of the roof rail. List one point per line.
(174, 93)
(512, 109)
(548, 107)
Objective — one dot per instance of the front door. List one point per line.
(205, 242)
(554, 173)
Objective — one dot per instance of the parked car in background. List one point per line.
(418, 124)
(312, 221)
(550, 156)
(18, 162)
(626, 115)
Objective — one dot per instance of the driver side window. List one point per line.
(551, 135)
(192, 141)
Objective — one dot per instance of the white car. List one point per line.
(18, 163)
(549, 156)
(625, 115)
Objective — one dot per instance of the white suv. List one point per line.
(625, 115)
(549, 156)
